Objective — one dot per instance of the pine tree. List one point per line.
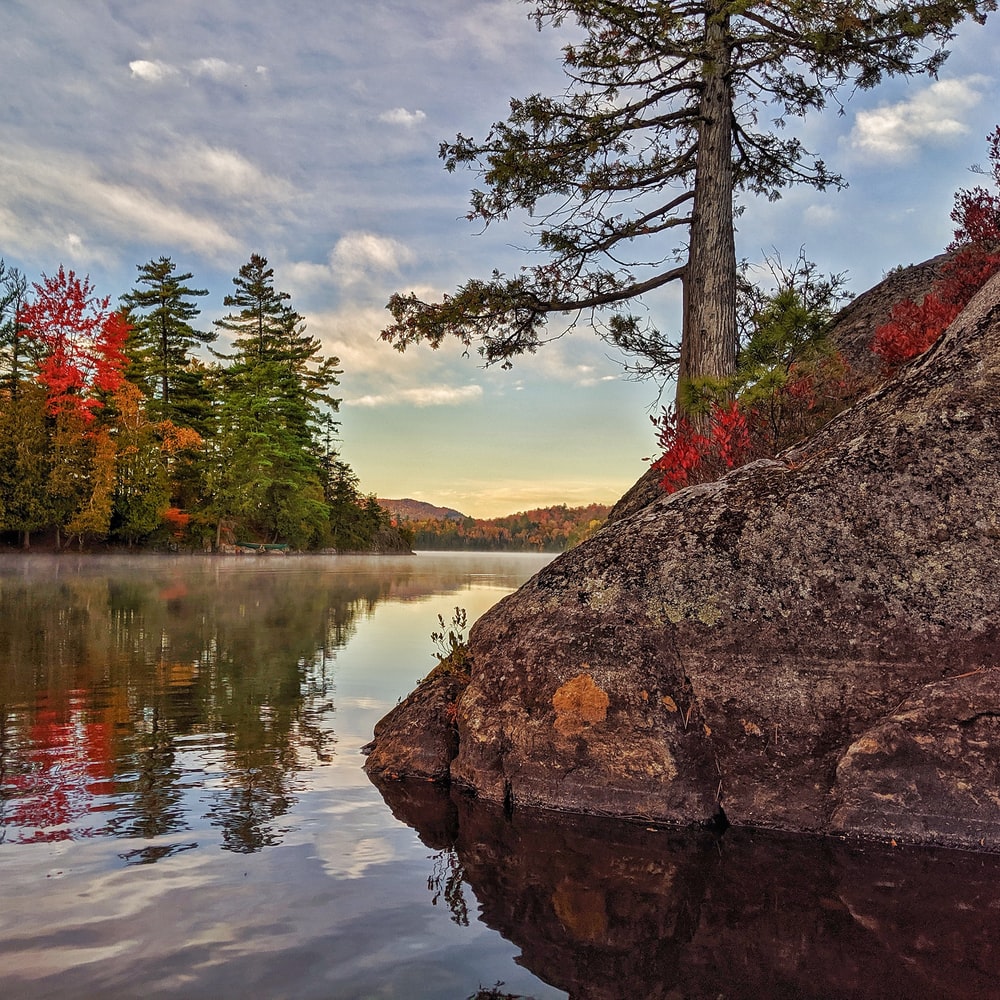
(161, 313)
(16, 351)
(261, 325)
(274, 397)
(656, 133)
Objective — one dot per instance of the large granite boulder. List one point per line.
(808, 644)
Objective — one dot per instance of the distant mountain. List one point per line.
(417, 510)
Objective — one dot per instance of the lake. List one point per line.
(183, 813)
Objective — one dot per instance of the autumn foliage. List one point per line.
(82, 343)
(544, 529)
(689, 452)
(914, 326)
(177, 521)
(761, 414)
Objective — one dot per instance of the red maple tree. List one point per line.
(83, 343)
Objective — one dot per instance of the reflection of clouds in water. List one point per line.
(367, 704)
(349, 836)
(185, 921)
(366, 853)
(294, 685)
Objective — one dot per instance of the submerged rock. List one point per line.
(807, 644)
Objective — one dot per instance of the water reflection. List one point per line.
(139, 699)
(606, 910)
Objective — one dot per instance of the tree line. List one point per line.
(126, 426)
(544, 529)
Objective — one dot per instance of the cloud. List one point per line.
(359, 261)
(935, 114)
(400, 116)
(152, 71)
(358, 254)
(373, 369)
(440, 395)
(216, 69)
(60, 193)
(587, 376)
(819, 215)
(219, 70)
(495, 29)
(221, 171)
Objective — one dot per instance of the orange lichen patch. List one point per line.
(669, 704)
(581, 910)
(579, 703)
(866, 745)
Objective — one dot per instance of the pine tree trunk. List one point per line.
(708, 345)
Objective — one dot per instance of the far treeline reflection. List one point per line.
(107, 681)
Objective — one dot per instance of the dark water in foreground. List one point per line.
(183, 814)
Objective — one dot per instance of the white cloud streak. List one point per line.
(216, 69)
(934, 115)
(357, 258)
(400, 116)
(439, 395)
(359, 253)
(152, 71)
(71, 197)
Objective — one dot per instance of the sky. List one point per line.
(308, 131)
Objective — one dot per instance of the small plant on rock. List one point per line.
(452, 649)
(789, 381)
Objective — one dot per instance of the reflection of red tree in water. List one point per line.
(67, 765)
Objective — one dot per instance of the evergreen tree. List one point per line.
(72, 449)
(355, 520)
(161, 313)
(266, 331)
(16, 351)
(93, 517)
(657, 131)
(274, 397)
(25, 463)
(260, 328)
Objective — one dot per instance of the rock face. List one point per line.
(808, 644)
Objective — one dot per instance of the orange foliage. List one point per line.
(177, 439)
(177, 521)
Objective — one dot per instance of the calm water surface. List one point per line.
(182, 806)
(183, 813)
